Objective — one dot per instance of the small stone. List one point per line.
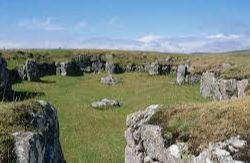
(105, 103)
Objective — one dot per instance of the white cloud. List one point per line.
(225, 37)
(149, 38)
(47, 24)
(147, 43)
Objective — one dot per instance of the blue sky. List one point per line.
(160, 25)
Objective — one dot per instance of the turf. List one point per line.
(89, 135)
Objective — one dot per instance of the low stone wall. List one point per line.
(222, 89)
(145, 143)
(185, 76)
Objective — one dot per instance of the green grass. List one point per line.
(90, 135)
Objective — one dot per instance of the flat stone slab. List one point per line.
(105, 103)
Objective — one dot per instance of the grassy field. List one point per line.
(89, 135)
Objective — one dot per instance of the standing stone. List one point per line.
(68, 69)
(181, 74)
(153, 68)
(109, 67)
(30, 71)
(207, 82)
(41, 145)
(241, 87)
(228, 89)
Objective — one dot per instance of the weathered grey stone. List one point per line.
(68, 69)
(105, 103)
(241, 87)
(145, 143)
(207, 82)
(194, 79)
(154, 68)
(181, 74)
(221, 89)
(41, 145)
(108, 80)
(30, 71)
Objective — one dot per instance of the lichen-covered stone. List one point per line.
(145, 143)
(41, 145)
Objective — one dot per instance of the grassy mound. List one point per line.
(199, 124)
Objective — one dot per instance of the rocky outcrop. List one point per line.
(5, 83)
(105, 103)
(222, 89)
(41, 145)
(146, 144)
(30, 71)
(108, 80)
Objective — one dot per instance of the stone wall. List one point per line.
(146, 144)
(222, 89)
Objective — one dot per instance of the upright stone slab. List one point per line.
(181, 74)
(153, 69)
(242, 86)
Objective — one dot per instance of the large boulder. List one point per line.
(41, 145)
(146, 143)
(5, 83)
(30, 71)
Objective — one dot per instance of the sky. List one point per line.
(153, 25)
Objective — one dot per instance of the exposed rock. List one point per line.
(68, 69)
(207, 84)
(130, 67)
(30, 71)
(194, 79)
(105, 103)
(5, 84)
(113, 68)
(145, 143)
(108, 80)
(182, 72)
(241, 86)
(221, 89)
(41, 145)
(154, 68)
